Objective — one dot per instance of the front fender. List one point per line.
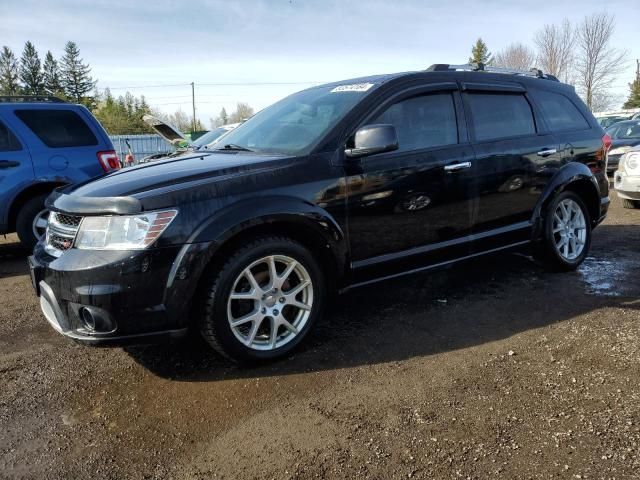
(246, 214)
(569, 174)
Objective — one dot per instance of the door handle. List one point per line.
(454, 167)
(8, 164)
(545, 152)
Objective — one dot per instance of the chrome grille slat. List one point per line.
(61, 232)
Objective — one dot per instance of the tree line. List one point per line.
(580, 54)
(68, 77)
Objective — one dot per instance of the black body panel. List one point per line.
(371, 218)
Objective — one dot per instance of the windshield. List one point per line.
(209, 137)
(295, 124)
(625, 131)
(608, 121)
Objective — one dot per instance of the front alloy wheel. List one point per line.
(270, 302)
(263, 301)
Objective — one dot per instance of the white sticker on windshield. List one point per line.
(356, 87)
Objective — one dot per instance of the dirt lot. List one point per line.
(490, 369)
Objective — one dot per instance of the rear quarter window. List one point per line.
(500, 115)
(58, 128)
(559, 112)
(8, 141)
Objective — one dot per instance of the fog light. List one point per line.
(88, 319)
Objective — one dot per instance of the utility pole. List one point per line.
(193, 103)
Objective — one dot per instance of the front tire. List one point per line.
(567, 233)
(264, 300)
(626, 203)
(31, 221)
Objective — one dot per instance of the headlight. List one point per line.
(632, 161)
(126, 232)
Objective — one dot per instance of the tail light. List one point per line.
(601, 156)
(109, 161)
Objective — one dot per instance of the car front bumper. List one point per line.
(627, 186)
(117, 297)
(612, 162)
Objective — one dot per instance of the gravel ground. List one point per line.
(491, 369)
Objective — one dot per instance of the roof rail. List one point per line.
(481, 67)
(30, 98)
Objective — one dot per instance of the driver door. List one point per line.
(407, 204)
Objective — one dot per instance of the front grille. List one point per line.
(59, 242)
(68, 220)
(61, 232)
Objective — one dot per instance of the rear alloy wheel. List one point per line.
(39, 224)
(569, 229)
(567, 233)
(31, 222)
(264, 300)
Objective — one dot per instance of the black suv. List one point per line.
(333, 187)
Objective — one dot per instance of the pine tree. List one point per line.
(224, 118)
(480, 53)
(75, 75)
(51, 76)
(31, 71)
(634, 96)
(9, 72)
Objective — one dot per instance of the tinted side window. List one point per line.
(8, 141)
(500, 115)
(58, 128)
(559, 112)
(422, 122)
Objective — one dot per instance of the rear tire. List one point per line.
(25, 228)
(630, 203)
(566, 233)
(249, 314)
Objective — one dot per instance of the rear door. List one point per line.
(16, 170)
(515, 157)
(63, 143)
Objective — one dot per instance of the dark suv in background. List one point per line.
(45, 143)
(333, 187)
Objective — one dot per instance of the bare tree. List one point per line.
(555, 45)
(243, 111)
(517, 56)
(597, 62)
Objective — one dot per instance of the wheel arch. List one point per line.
(33, 190)
(299, 220)
(575, 177)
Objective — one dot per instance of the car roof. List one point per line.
(452, 75)
(42, 105)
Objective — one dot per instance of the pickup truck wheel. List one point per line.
(630, 203)
(567, 233)
(31, 222)
(264, 301)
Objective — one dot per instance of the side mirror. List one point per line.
(372, 139)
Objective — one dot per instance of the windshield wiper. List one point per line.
(235, 148)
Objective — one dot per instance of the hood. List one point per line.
(179, 172)
(167, 131)
(621, 146)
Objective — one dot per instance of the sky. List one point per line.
(258, 51)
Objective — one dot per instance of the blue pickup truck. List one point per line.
(45, 143)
